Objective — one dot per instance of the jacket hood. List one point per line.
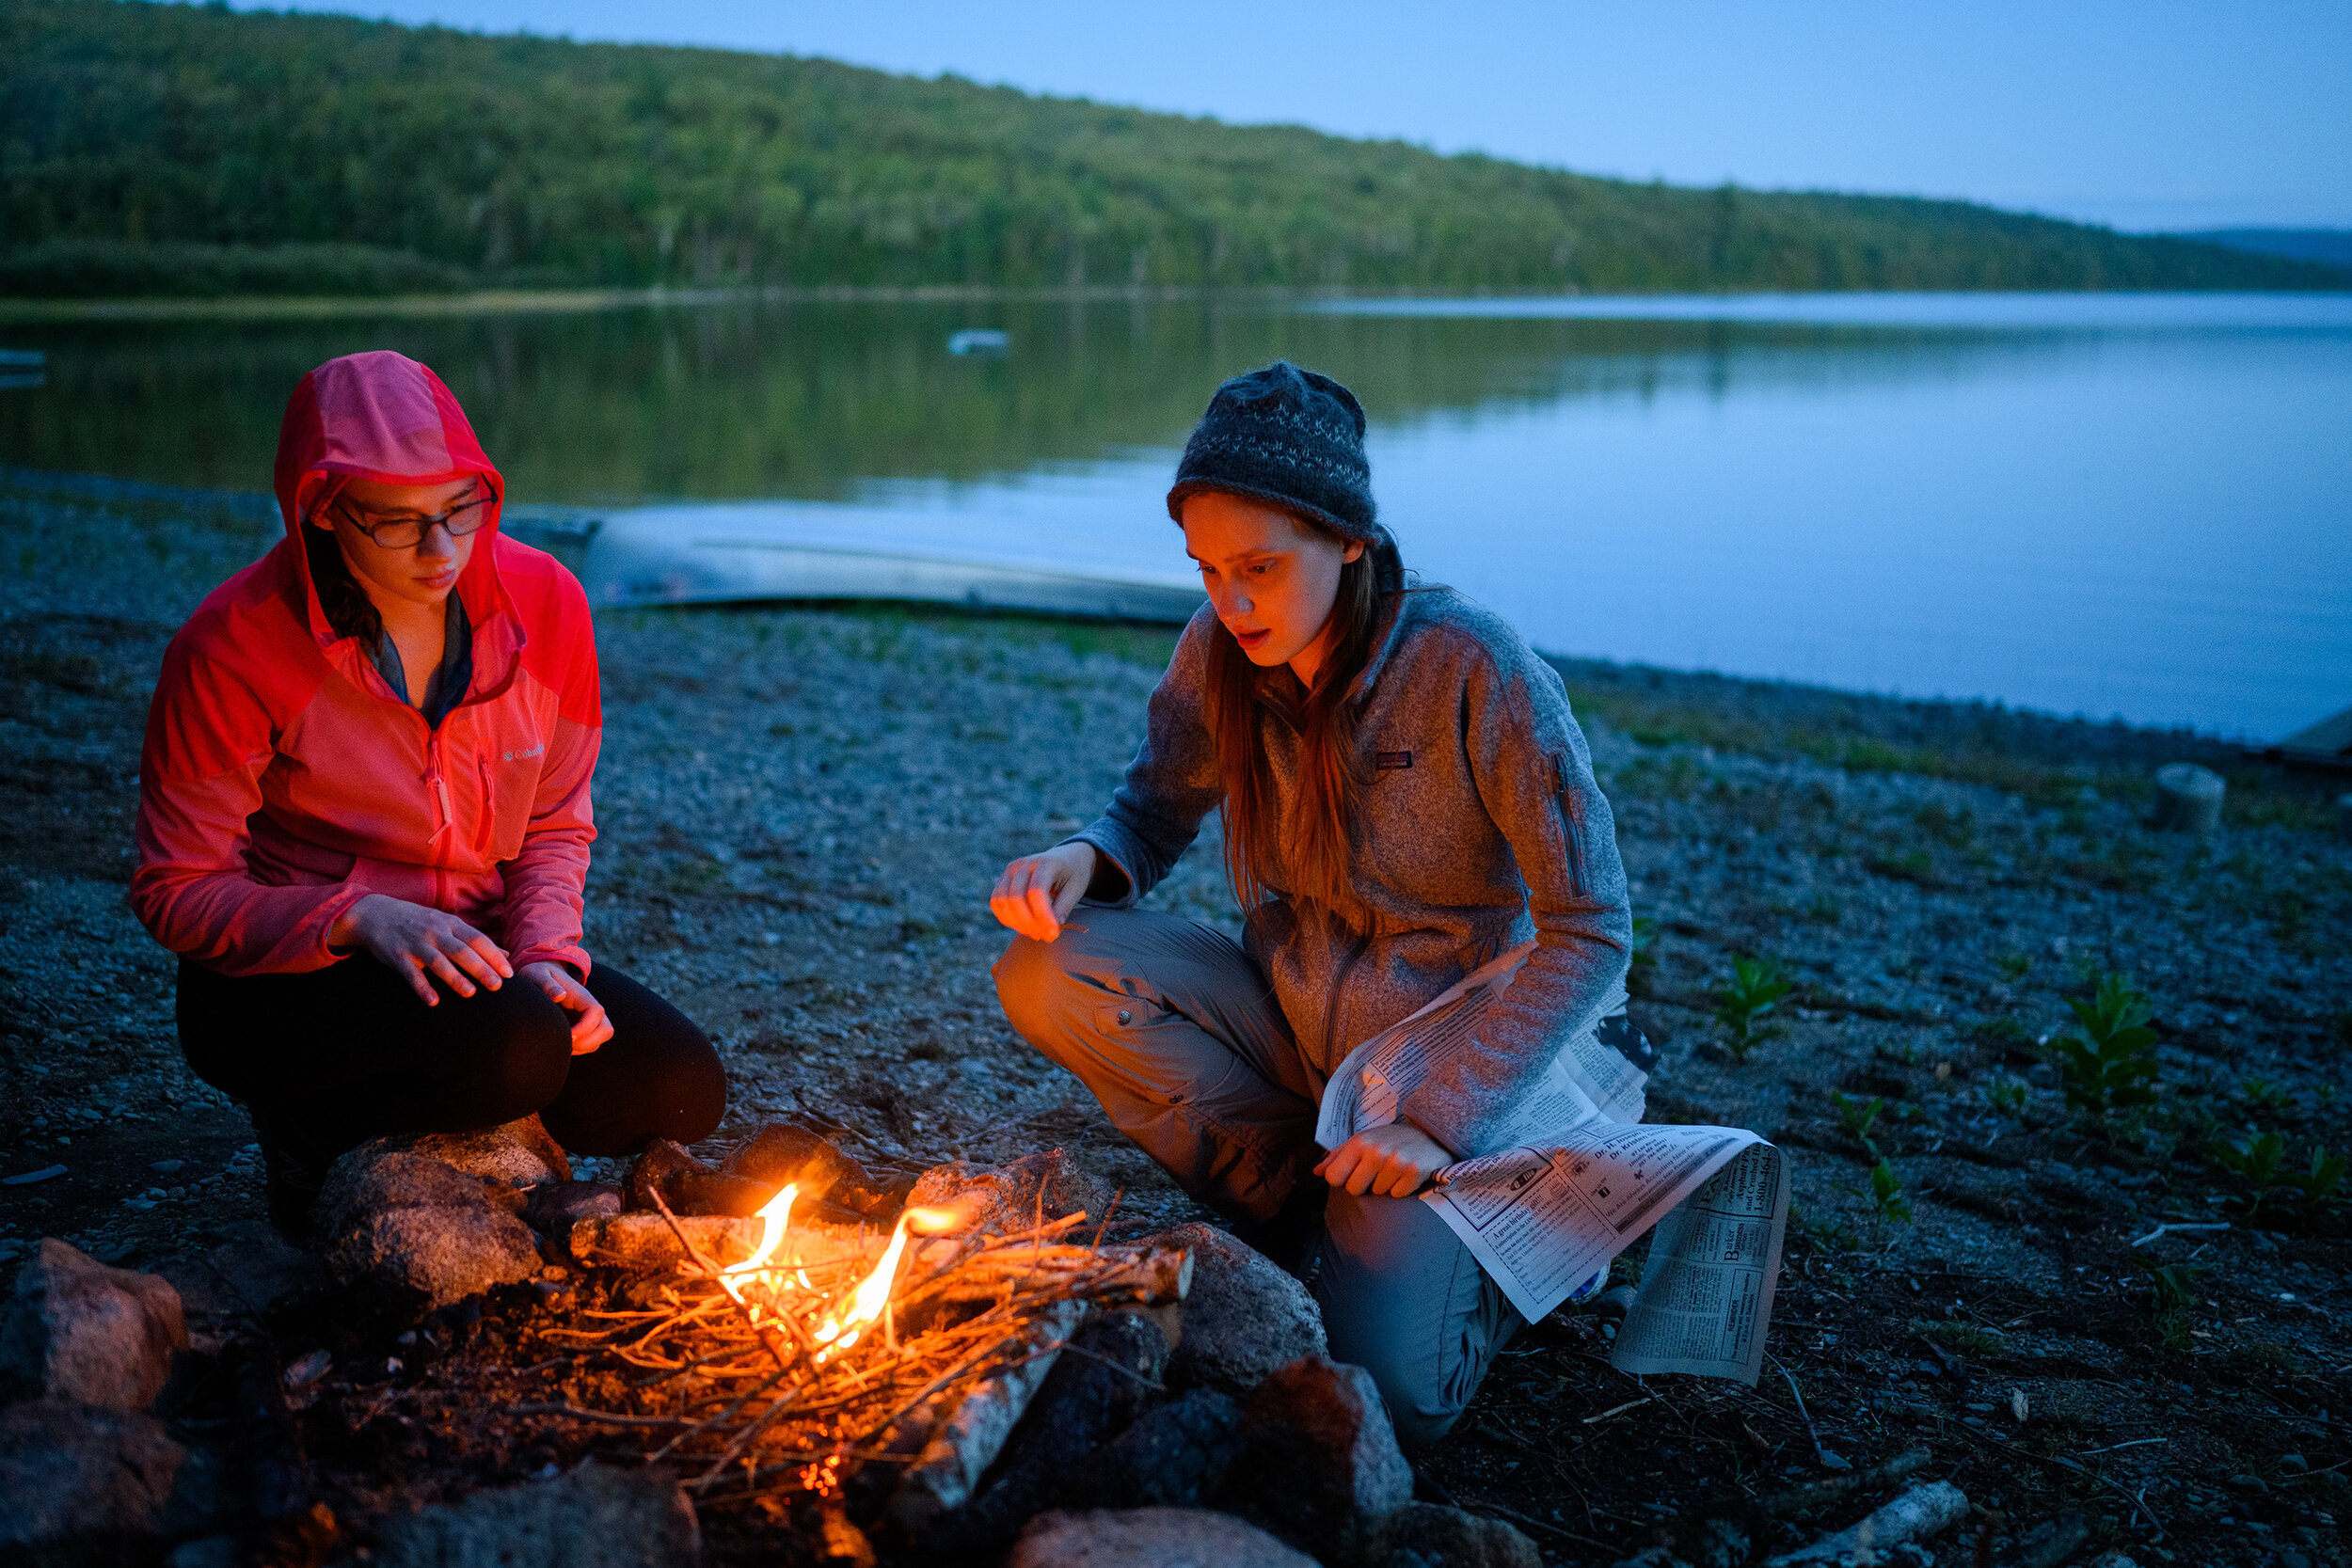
(381, 416)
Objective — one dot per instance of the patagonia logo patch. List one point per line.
(1383, 761)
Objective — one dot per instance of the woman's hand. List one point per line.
(422, 945)
(1387, 1162)
(590, 1027)
(1037, 893)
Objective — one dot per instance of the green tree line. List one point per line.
(152, 148)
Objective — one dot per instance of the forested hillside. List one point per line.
(172, 149)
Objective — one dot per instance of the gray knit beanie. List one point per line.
(1294, 439)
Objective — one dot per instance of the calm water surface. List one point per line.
(2133, 505)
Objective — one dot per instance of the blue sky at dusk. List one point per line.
(2156, 114)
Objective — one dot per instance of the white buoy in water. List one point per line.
(2188, 798)
(978, 340)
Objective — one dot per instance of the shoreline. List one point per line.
(23, 311)
(1722, 709)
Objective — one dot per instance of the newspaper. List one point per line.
(1574, 1176)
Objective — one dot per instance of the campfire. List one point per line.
(785, 1357)
(826, 1349)
(819, 1347)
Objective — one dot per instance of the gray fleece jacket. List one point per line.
(1481, 827)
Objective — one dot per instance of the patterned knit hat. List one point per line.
(1289, 437)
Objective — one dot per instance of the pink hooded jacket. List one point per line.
(283, 781)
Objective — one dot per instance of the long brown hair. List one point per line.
(1308, 853)
(349, 609)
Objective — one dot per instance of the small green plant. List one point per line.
(2261, 1163)
(1856, 1117)
(2172, 1283)
(2255, 1161)
(1886, 1192)
(1918, 866)
(2107, 1068)
(2014, 966)
(2004, 1032)
(1982, 1344)
(2321, 1180)
(2269, 1355)
(1756, 989)
(1823, 909)
(2262, 1097)
(2005, 1095)
(1645, 943)
(2172, 1293)
(1832, 1234)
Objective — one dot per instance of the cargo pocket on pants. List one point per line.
(1162, 1054)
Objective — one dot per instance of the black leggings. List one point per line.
(348, 1052)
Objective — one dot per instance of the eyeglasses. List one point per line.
(407, 534)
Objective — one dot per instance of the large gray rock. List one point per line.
(2188, 798)
(1011, 1198)
(82, 1484)
(1175, 1455)
(410, 1220)
(1430, 1535)
(1321, 1461)
(520, 1154)
(1243, 1318)
(596, 1518)
(81, 1333)
(1150, 1537)
(1091, 1393)
(786, 1151)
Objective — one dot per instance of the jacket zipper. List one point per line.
(1570, 829)
(1339, 991)
(440, 783)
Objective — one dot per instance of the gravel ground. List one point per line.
(801, 812)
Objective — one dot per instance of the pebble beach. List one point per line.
(801, 810)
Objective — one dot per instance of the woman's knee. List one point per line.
(1395, 1342)
(1403, 1299)
(1040, 992)
(517, 1052)
(688, 1090)
(658, 1077)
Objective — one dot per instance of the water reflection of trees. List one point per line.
(805, 400)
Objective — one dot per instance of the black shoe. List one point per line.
(294, 1168)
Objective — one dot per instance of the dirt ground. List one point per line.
(801, 812)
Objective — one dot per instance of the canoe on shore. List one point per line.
(704, 556)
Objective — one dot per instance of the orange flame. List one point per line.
(865, 1303)
(774, 1221)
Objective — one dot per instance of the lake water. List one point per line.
(2126, 505)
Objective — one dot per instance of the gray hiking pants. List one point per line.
(1177, 1034)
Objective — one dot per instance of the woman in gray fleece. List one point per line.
(1405, 795)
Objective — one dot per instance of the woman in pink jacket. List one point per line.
(364, 814)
